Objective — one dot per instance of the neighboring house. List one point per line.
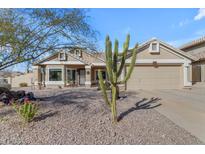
(3, 79)
(14, 79)
(6, 78)
(197, 49)
(158, 66)
(74, 67)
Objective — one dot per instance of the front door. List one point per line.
(82, 77)
(71, 76)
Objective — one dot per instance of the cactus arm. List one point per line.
(124, 54)
(103, 88)
(108, 50)
(122, 63)
(131, 66)
(113, 105)
(115, 56)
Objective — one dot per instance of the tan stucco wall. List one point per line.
(161, 77)
(25, 78)
(163, 54)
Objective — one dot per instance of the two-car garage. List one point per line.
(159, 66)
(156, 77)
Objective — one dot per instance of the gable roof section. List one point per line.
(44, 59)
(193, 43)
(72, 55)
(177, 51)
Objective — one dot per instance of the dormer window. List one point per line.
(62, 56)
(78, 53)
(154, 47)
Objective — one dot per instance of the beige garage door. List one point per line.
(161, 77)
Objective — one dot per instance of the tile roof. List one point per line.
(193, 43)
(199, 56)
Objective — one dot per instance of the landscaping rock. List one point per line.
(83, 118)
(30, 96)
(20, 94)
(3, 90)
(7, 96)
(4, 97)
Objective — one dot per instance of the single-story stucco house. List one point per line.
(158, 66)
(197, 49)
(75, 67)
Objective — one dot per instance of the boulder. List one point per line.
(5, 98)
(30, 96)
(3, 90)
(20, 94)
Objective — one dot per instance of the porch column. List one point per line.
(186, 69)
(203, 73)
(87, 76)
(36, 75)
(64, 75)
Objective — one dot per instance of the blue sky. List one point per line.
(175, 26)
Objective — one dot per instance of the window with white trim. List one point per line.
(55, 74)
(78, 52)
(154, 47)
(62, 56)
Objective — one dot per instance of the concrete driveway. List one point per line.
(184, 107)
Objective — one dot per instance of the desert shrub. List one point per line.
(27, 111)
(23, 84)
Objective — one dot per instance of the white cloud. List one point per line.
(200, 15)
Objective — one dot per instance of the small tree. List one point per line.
(28, 34)
(114, 71)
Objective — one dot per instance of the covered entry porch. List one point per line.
(67, 75)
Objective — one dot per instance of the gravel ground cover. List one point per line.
(80, 116)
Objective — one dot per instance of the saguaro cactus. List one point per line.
(115, 62)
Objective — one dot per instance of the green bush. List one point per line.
(23, 84)
(27, 111)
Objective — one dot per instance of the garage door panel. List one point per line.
(150, 77)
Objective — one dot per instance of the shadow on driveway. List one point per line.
(142, 104)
